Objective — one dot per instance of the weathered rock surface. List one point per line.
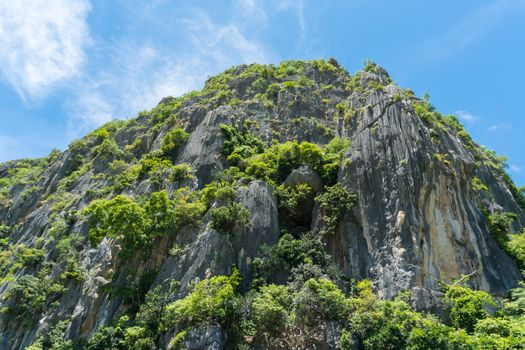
(417, 220)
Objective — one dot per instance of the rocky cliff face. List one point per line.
(423, 193)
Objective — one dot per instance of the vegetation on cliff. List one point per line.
(104, 222)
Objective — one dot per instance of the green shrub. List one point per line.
(515, 306)
(477, 185)
(499, 224)
(31, 296)
(137, 224)
(177, 340)
(288, 255)
(29, 257)
(53, 339)
(468, 306)
(173, 140)
(131, 288)
(118, 217)
(181, 172)
(5, 231)
(188, 209)
(107, 150)
(100, 134)
(159, 169)
(164, 110)
(137, 338)
(333, 153)
(151, 315)
(68, 248)
(274, 164)
(212, 300)
(109, 337)
(516, 247)
(270, 308)
(345, 341)
(318, 300)
(226, 219)
(277, 162)
(382, 324)
(239, 143)
(291, 197)
(272, 91)
(429, 333)
(153, 163)
(335, 202)
(148, 324)
(126, 178)
(160, 211)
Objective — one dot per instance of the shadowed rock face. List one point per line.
(418, 219)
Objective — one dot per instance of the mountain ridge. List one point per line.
(396, 192)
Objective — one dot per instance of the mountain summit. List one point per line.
(298, 177)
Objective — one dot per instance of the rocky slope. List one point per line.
(422, 198)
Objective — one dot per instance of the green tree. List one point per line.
(211, 300)
(225, 219)
(335, 202)
(318, 300)
(270, 309)
(172, 141)
(120, 217)
(499, 224)
(468, 306)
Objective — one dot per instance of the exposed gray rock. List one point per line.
(417, 220)
(304, 175)
(208, 253)
(430, 301)
(207, 337)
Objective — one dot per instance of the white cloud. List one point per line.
(467, 116)
(252, 10)
(497, 127)
(514, 168)
(42, 43)
(225, 44)
(298, 7)
(136, 79)
(88, 110)
(138, 74)
(43, 46)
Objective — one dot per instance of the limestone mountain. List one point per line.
(285, 175)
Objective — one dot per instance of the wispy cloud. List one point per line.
(515, 168)
(136, 79)
(87, 110)
(42, 43)
(298, 7)
(472, 27)
(498, 127)
(253, 10)
(223, 43)
(43, 46)
(139, 73)
(467, 116)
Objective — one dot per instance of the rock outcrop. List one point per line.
(423, 187)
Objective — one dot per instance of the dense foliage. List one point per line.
(137, 224)
(335, 202)
(289, 314)
(274, 164)
(135, 190)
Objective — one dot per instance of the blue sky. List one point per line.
(69, 66)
